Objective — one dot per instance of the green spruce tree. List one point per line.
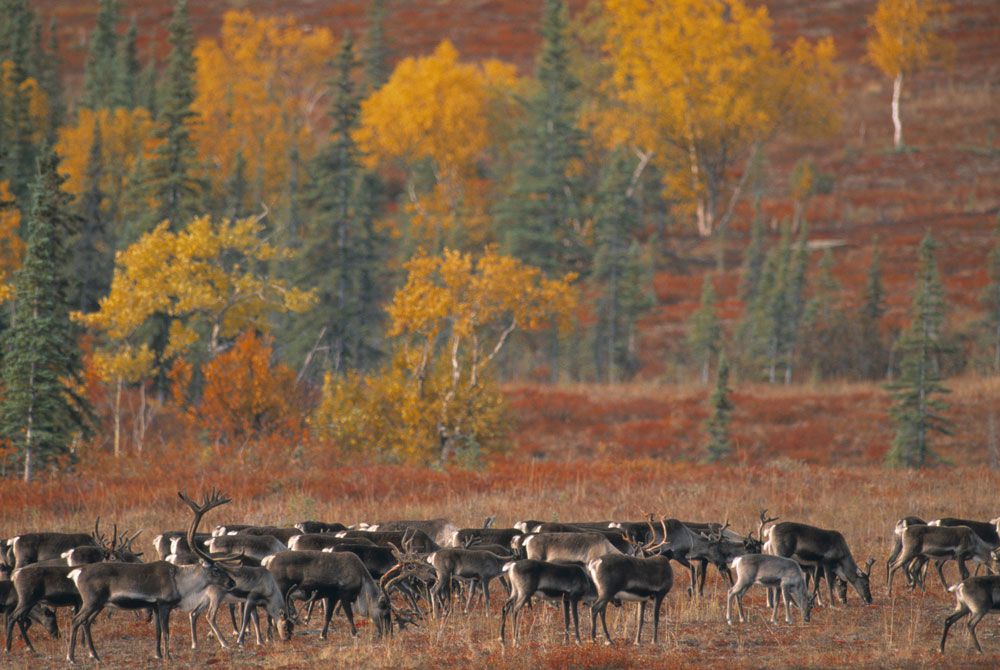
(872, 354)
(124, 87)
(41, 412)
(101, 66)
(717, 448)
(916, 411)
(171, 179)
(753, 261)
(93, 252)
(375, 54)
(620, 274)
(539, 212)
(342, 251)
(704, 332)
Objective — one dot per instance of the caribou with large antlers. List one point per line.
(158, 586)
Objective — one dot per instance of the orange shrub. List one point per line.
(246, 396)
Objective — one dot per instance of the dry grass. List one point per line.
(862, 502)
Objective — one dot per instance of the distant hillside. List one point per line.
(948, 181)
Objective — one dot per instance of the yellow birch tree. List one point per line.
(905, 40)
(698, 85)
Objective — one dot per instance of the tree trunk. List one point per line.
(897, 123)
(118, 418)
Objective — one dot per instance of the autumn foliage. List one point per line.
(247, 396)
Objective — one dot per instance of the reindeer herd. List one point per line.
(397, 573)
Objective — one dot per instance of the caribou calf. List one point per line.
(774, 572)
(977, 596)
(567, 583)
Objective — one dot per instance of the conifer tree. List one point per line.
(41, 412)
(50, 82)
(795, 302)
(825, 326)
(236, 189)
(93, 256)
(127, 70)
(916, 412)
(375, 54)
(753, 261)
(100, 69)
(991, 303)
(540, 209)
(872, 352)
(178, 192)
(620, 274)
(704, 336)
(342, 250)
(718, 446)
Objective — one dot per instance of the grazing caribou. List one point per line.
(620, 577)
(824, 551)
(581, 548)
(334, 577)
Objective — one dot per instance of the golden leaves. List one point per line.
(699, 81)
(905, 36)
(127, 135)
(257, 90)
(11, 244)
(204, 278)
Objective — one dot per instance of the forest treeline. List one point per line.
(289, 233)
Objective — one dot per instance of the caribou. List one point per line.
(567, 583)
(940, 542)
(825, 551)
(334, 577)
(478, 566)
(158, 586)
(977, 596)
(620, 577)
(774, 572)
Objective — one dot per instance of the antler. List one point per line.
(764, 520)
(98, 536)
(213, 500)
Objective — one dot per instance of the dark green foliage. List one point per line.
(753, 261)
(540, 216)
(101, 68)
(236, 189)
(146, 89)
(872, 354)
(124, 91)
(718, 446)
(343, 253)
(621, 274)
(51, 82)
(93, 252)
(41, 413)
(828, 333)
(375, 54)
(916, 412)
(171, 176)
(772, 324)
(704, 332)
